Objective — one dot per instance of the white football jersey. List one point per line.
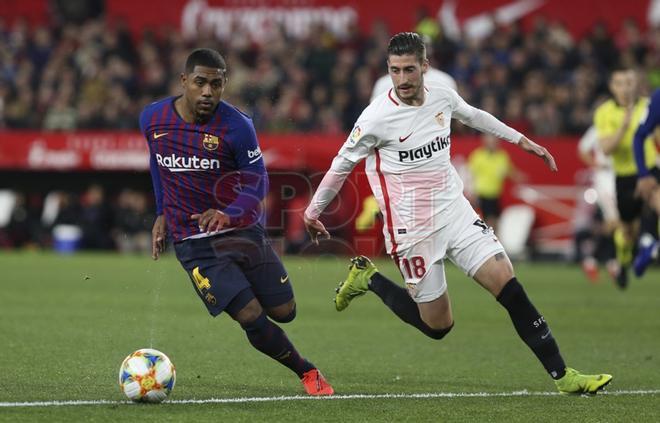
(407, 151)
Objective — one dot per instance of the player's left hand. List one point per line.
(211, 220)
(532, 147)
(315, 228)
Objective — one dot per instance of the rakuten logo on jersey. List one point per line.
(426, 151)
(254, 155)
(176, 163)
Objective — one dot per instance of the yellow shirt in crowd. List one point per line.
(608, 118)
(489, 171)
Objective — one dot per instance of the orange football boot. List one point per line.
(315, 383)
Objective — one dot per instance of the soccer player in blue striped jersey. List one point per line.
(209, 181)
(647, 180)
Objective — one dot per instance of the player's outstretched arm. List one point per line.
(158, 234)
(532, 147)
(646, 183)
(327, 190)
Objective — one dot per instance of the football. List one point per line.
(147, 375)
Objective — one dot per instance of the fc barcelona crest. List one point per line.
(440, 119)
(210, 142)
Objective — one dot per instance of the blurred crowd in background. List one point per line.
(104, 219)
(80, 74)
(95, 75)
(68, 221)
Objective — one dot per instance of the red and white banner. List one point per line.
(296, 164)
(83, 151)
(38, 151)
(121, 151)
(298, 17)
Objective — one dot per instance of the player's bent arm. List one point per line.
(647, 186)
(253, 175)
(254, 186)
(645, 129)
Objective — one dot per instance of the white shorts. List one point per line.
(603, 183)
(466, 241)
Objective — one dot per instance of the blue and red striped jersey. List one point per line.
(196, 167)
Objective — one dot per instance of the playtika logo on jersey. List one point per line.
(426, 151)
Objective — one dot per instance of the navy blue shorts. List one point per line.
(239, 264)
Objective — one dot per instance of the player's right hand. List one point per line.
(211, 220)
(645, 187)
(158, 234)
(315, 228)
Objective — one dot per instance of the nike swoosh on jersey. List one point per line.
(156, 135)
(284, 278)
(402, 139)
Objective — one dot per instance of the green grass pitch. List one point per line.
(66, 323)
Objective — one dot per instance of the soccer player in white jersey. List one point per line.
(404, 136)
(603, 183)
(432, 76)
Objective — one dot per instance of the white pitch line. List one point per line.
(326, 398)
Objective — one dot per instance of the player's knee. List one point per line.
(439, 327)
(438, 333)
(248, 314)
(255, 324)
(284, 317)
(283, 313)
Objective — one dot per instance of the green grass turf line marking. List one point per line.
(327, 398)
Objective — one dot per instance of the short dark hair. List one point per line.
(407, 43)
(618, 67)
(205, 57)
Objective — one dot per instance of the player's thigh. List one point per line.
(494, 273)
(423, 270)
(437, 313)
(269, 280)
(217, 280)
(472, 243)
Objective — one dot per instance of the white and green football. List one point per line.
(147, 375)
